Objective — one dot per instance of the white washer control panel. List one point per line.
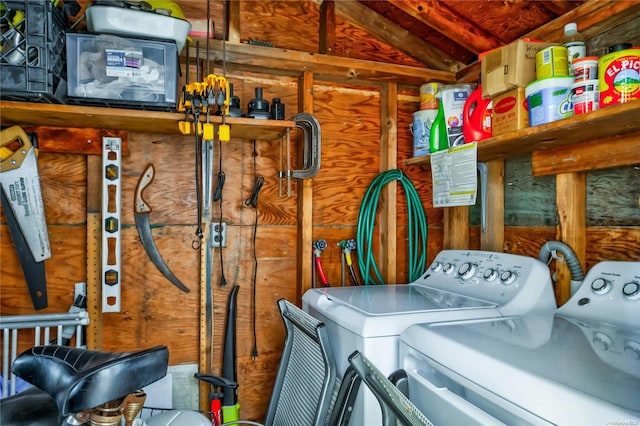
(501, 278)
(609, 293)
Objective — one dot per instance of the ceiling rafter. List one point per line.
(440, 18)
(397, 37)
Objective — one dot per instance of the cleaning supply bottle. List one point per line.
(574, 42)
(476, 117)
(438, 139)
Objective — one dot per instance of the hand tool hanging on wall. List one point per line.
(347, 246)
(310, 127)
(224, 398)
(318, 247)
(111, 224)
(24, 210)
(142, 210)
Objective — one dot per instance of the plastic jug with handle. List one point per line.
(476, 117)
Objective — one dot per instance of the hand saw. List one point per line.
(24, 209)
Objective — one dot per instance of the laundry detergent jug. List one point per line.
(476, 122)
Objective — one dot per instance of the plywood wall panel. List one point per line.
(65, 267)
(62, 182)
(350, 151)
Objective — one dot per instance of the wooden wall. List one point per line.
(154, 312)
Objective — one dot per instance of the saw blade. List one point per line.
(20, 182)
(34, 272)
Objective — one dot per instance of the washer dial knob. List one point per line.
(436, 267)
(448, 268)
(602, 341)
(490, 274)
(632, 349)
(467, 270)
(631, 290)
(508, 277)
(600, 286)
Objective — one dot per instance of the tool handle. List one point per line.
(140, 205)
(13, 156)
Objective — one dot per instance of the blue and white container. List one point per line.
(549, 99)
(421, 129)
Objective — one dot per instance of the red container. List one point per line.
(476, 117)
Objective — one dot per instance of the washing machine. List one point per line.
(458, 285)
(577, 366)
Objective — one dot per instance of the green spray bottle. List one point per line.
(438, 139)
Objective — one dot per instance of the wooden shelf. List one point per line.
(604, 123)
(133, 120)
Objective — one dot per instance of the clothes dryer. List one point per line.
(459, 285)
(579, 366)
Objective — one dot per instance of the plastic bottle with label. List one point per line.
(438, 139)
(476, 117)
(573, 40)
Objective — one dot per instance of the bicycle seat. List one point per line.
(81, 379)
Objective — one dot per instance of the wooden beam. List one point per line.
(456, 228)
(492, 238)
(156, 122)
(593, 17)
(437, 16)
(73, 140)
(232, 14)
(283, 61)
(395, 36)
(571, 200)
(616, 151)
(305, 200)
(389, 161)
(327, 27)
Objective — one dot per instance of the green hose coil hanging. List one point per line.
(416, 228)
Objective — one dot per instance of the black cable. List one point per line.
(252, 201)
(217, 196)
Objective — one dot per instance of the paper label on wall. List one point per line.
(453, 172)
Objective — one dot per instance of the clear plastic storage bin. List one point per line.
(109, 70)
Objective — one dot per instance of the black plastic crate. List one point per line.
(32, 59)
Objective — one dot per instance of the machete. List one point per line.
(142, 211)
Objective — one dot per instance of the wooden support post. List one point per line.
(388, 161)
(492, 238)
(571, 200)
(456, 228)
(327, 27)
(305, 199)
(233, 21)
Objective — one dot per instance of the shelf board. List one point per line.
(603, 123)
(133, 120)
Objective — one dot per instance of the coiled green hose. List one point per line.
(416, 228)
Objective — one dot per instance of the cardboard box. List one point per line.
(513, 65)
(510, 112)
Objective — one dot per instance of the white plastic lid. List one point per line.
(571, 28)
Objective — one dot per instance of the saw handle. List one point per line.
(11, 155)
(140, 205)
